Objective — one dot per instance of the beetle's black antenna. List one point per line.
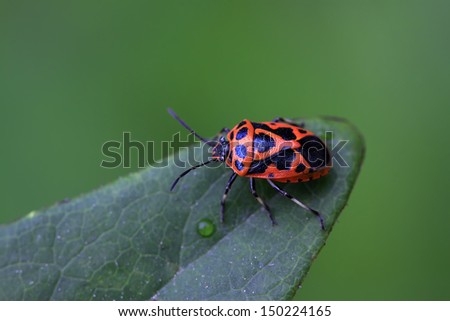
(187, 171)
(174, 115)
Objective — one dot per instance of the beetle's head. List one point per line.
(221, 149)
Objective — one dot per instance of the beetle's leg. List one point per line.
(283, 120)
(224, 196)
(296, 201)
(187, 171)
(260, 200)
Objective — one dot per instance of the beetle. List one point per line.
(277, 151)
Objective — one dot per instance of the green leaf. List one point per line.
(135, 240)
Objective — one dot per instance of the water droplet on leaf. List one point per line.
(206, 228)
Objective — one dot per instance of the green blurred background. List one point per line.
(74, 74)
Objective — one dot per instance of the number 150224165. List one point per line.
(296, 311)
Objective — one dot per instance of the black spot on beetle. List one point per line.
(284, 132)
(262, 143)
(238, 165)
(314, 151)
(232, 135)
(271, 175)
(258, 167)
(300, 168)
(241, 151)
(242, 133)
(282, 160)
(242, 123)
(262, 126)
(302, 131)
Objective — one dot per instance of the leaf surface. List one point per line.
(135, 240)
